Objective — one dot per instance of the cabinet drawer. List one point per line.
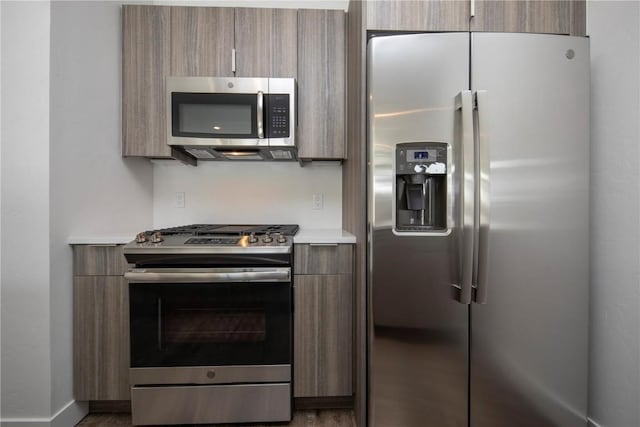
(323, 259)
(96, 260)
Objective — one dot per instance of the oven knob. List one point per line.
(156, 237)
(141, 238)
(281, 238)
(253, 238)
(267, 238)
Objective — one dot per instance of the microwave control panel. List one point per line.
(278, 116)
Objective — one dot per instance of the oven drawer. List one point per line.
(211, 404)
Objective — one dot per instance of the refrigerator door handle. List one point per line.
(483, 203)
(467, 198)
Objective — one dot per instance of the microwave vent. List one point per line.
(200, 153)
(281, 154)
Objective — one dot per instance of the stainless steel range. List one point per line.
(211, 324)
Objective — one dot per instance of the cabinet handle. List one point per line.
(233, 61)
(323, 244)
(472, 8)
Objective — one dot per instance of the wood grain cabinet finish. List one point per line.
(101, 338)
(100, 323)
(145, 63)
(323, 335)
(202, 39)
(321, 84)
(417, 15)
(323, 321)
(98, 260)
(523, 16)
(323, 259)
(266, 42)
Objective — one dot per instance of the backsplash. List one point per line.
(248, 192)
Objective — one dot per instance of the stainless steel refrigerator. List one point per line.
(478, 156)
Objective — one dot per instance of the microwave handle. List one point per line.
(260, 114)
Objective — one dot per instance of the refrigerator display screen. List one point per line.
(429, 155)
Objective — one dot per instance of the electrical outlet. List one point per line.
(179, 201)
(318, 201)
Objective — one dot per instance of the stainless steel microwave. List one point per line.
(232, 118)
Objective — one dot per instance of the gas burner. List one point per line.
(230, 230)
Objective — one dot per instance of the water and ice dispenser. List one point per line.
(421, 187)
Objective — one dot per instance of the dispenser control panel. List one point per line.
(411, 157)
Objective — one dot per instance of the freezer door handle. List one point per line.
(483, 205)
(464, 104)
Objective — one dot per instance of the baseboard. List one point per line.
(591, 423)
(68, 415)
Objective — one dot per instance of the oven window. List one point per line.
(210, 324)
(192, 324)
(215, 119)
(214, 115)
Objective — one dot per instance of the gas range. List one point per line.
(213, 239)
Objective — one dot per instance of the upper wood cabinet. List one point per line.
(308, 45)
(145, 63)
(418, 15)
(516, 16)
(525, 16)
(321, 84)
(266, 42)
(202, 40)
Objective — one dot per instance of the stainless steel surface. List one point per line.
(483, 203)
(202, 374)
(176, 245)
(467, 197)
(260, 114)
(418, 331)
(247, 85)
(241, 403)
(529, 344)
(208, 275)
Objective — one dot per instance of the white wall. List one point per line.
(93, 190)
(248, 192)
(614, 28)
(26, 344)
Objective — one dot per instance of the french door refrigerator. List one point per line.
(478, 154)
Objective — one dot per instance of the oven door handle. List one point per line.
(141, 275)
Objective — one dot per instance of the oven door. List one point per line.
(210, 317)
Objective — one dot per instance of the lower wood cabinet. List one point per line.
(323, 335)
(323, 320)
(100, 326)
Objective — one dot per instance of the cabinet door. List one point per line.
(523, 16)
(266, 42)
(145, 63)
(321, 84)
(101, 338)
(201, 41)
(322, 335)
(418, 15)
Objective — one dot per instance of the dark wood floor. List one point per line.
(309, 418)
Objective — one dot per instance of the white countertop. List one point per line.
(305, 235)
(101, 239)
(323, 235)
